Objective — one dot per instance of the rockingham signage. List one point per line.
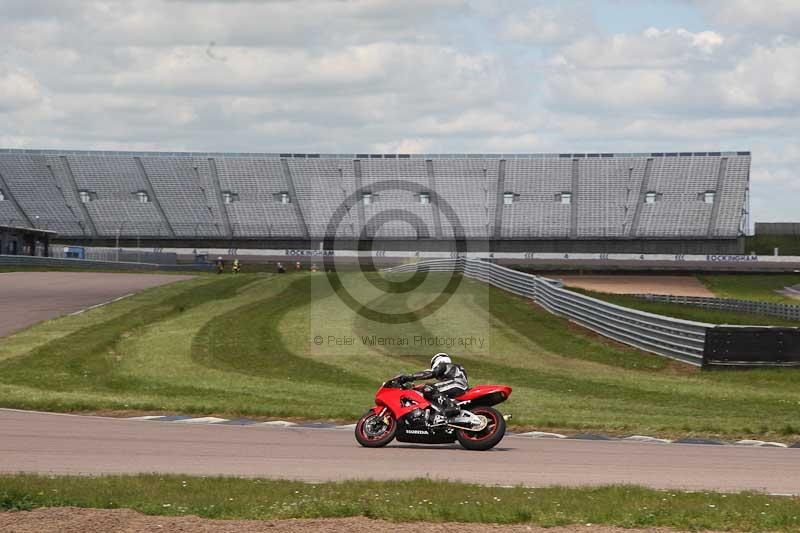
(306, 253)
(732, 258)
(388, 254)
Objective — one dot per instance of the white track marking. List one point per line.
(203, 420)
(277, 423)
(102, 304)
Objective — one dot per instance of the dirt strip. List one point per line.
(72, 520)
(30, 297)
(625, 284)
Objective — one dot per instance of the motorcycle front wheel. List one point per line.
(488, 437)
(374, 431)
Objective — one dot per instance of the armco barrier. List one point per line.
(54, 262)
(27, 260)
(785, 311)
(682, 340)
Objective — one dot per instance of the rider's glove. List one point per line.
(406, 378)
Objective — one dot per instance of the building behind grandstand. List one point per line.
(681, 202)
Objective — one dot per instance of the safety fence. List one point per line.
(784, 311)
(54, 262)
(682, 340)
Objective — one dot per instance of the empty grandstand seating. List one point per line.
(537, 211)
(294, 196)
(40, 194)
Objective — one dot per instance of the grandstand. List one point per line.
(681, 202)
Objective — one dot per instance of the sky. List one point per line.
(411, 76)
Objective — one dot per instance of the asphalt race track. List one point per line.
(30, 297)
(69, 444)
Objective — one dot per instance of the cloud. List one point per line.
(772, 17)
(676, 71)
(547, 24)
(18, 91)
(449, 76)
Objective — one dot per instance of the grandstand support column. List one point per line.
(362, 223)
(574, 199)
(223, 209)
(287, 174)
(712, 222)
(13, 200)
(437, 216)
(640, 198)
(499, 204)
(73, 183)
(152, 194)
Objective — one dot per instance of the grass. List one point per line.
(766, 244)
(752, 287)
(405, 501)
(688, 312)
(245, 346)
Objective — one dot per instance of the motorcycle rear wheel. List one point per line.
(487, 438)
(365, 432)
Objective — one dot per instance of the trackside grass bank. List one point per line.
(752, 287)
(406, 501)
(689, 312)
(289, 346)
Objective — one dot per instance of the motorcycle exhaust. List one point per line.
(507, 417)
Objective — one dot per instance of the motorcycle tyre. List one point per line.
(378, 443)
(491, 440)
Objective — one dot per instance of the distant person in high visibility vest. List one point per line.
(237, 266)
(220, 265)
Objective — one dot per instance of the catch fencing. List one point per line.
(784, 311)
(55, 262)
(678, 339)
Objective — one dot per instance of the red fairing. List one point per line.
(481, 391)
(392, 399)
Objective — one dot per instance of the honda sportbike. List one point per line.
(402, 412)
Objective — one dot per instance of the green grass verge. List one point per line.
(761, 287)
(405, 501)
(689, 312)
(243, 346)
(766, 244)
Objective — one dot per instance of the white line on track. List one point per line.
(102, 304)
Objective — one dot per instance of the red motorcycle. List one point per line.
(402, 412)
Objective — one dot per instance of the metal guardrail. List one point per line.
(677, 339)
(785, 311)
(55, 262)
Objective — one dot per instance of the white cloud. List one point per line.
(18, 90)
(648, 49)
(547, 24)
(766, 17)
(402, 76)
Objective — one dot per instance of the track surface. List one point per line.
(30, 297)
(632, 284)
(68, 444)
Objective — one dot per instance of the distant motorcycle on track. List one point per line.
(403, 413)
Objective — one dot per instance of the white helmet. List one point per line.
(440, 358)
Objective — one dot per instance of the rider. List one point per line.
(451, 383)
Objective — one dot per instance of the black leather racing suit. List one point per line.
(451, 382)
